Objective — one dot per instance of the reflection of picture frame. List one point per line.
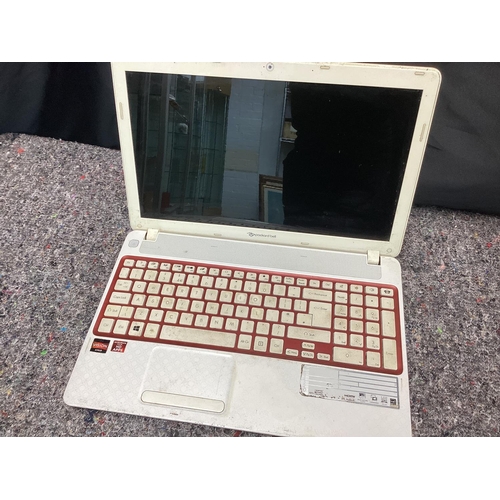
(271, 199)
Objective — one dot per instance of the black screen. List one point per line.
(305, 157)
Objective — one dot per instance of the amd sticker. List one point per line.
(99, 345)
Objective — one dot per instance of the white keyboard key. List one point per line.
(276, 346)
(356, 326)
(245, 342)
(236, 285)
(278, 330)
(260, 344)
(194, 336)
(372, 314)
(171, 317)
(151, 330)
(356, 340)
(247, 326)
(304, 319)
(156, 315)
(216, 322)
(153, 301)
(124, 272)
(387, 292)
(120, 298)
(232, 324)
(372, 328)
(307, 354)
(126, 312)
(255, 300)
(242, 312)
(250, 286)
(349, 356)
(317, 294)
(310, 334)
(150, 275)
(129, 263)
(106, 325)
(356, 299)
(136, 274)
(294, 292)
(186, 319)
(240, 298)
(262, 328)
(285, 304)
(340, 310)
(356, 312)
(201, 320)
(373, 343)
(341, 297)
(193, 280)
(257, 313)
(371, 301)
(112, 311)
(141, 313)
(272, 315)
(388, 324)
(221, 283)
(123, 285)
(292, 352)
(389, 354)
(340, 324)
(136, 329)
(373, 359)
(340, 338)
(139, 286)
(165, 277)
(387, 303)
(323, 357)
(321, 313)
(121, 327)
(138, 299)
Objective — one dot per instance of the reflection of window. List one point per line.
(179, 132)
(271, 199)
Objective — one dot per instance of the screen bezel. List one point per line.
(425, 79)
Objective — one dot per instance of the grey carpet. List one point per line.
(63, 217)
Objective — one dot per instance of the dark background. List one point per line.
(461, 170)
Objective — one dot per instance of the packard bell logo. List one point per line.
(262, 235)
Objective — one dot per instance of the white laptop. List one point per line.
(258, 289)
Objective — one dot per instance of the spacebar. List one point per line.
(195, 336)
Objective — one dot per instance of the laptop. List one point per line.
(259, 288)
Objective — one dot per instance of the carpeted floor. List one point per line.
(63, 217)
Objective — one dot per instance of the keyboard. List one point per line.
(327, 321)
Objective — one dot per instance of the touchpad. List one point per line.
(192, 379)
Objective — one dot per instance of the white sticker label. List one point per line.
(349, 386)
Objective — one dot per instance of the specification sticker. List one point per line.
(349, 386)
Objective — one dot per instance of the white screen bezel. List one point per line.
(425, 79)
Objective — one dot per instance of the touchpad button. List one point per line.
(191, 379)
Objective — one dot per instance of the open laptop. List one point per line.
(258, 289)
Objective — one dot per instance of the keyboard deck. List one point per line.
(324, 321)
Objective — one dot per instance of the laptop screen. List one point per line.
(305, 157)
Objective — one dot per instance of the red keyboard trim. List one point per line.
(296, 344)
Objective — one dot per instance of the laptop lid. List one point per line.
(304, 154)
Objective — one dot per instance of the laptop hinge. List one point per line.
(373, 257)
(151, 234)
